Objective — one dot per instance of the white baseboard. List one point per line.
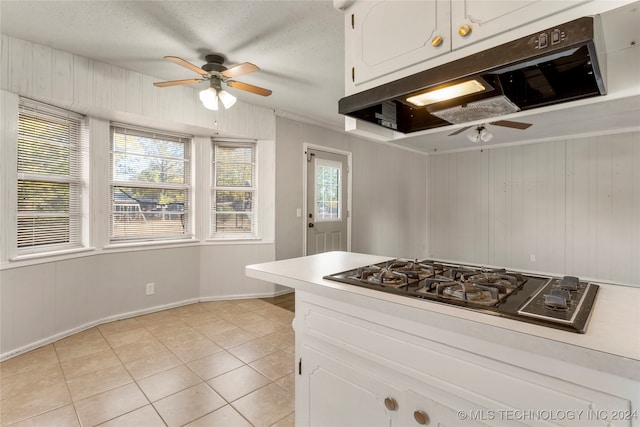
(84, 327)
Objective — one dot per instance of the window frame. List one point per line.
(225, 235)
(187, 186)
(76, 179)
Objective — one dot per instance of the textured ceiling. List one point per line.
(297, 44)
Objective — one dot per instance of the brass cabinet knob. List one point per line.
(421, 417)
(436, 41)
(391, 404)
(464, 30)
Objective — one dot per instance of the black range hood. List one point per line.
(550, 67)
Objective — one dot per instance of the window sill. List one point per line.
(154, 243)
(63, 252)
(43, 257)
(237, 241)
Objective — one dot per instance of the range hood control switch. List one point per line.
(543, 41)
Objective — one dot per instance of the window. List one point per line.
(49, 205)
(150, 184)
(328, 178)
(233, 197)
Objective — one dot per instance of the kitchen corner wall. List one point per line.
(569, 206)
(389, 198)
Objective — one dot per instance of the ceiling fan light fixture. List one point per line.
(209, 99)
(227, 99)
(480, 133)
(485, 135)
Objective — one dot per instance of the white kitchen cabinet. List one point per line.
(386, 36)
(475, 20)
(344, 390)
(331, 386)
(353, 359)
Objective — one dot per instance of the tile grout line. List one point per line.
(279, 326)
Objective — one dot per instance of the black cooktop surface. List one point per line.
(561, 303)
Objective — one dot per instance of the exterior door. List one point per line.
(327, 214)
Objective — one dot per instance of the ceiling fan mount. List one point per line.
(215, 63)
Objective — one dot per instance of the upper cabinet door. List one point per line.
(389, 35)
(473, 20)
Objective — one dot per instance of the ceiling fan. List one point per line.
(480, 132)
(216, 73)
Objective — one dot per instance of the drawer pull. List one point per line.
(421, 417)
(391, 404)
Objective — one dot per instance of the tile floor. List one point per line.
(222, 363)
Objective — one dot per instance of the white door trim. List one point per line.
(305, 213)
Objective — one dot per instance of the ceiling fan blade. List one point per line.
(177, 82)
(186, 64)
(240, 69)
(510, 124)
(249, 88)
(460, 130)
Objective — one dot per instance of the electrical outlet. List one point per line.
(151, 288)
(532, 258)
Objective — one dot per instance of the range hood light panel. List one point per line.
(449, 92)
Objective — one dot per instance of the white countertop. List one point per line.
(614, 327)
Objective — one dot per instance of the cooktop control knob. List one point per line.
(562, 293)
(570, 283)
(555, 302)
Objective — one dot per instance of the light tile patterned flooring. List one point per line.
(222, 363)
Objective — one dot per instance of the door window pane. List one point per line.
(328, 204)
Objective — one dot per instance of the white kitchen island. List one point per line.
(370, 358)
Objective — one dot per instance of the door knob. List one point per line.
(436, 41)
(421, 417)
(391, 404)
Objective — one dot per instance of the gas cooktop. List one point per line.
(562, 303)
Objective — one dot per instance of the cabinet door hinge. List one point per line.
(353, 21)
(300, 366)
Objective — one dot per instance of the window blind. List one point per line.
(49, 205)
(233, 197)
(150, 184)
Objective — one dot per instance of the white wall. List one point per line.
(46, 301)
(572, 204)
(45, 298)
(389, 200)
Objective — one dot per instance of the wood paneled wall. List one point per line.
(562, 207)
(98, 89)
